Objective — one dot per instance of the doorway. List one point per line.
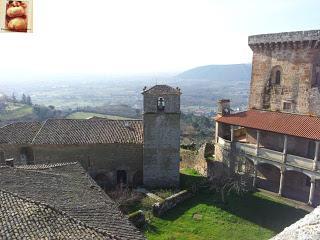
(26, 155)
(121, 177)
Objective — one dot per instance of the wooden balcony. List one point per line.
(270, 155)
(300, 162)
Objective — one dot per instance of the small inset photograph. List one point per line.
(18, 16)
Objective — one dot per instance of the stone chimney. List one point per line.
(10, 162)
(224, 107)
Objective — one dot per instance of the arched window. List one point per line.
(278, 77)
(161, 104)
(316, 78)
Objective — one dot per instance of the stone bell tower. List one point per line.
(161, 126)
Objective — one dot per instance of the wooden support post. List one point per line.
(316, 156)
(312, 189)
(258, 143)
(285, 148)
(281, 182)
(254, 182)
(217, 132)
(231, 133)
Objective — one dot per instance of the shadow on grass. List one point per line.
(266, 213)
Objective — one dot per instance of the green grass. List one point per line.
(85, 115)
(16, 111)
(252, 216)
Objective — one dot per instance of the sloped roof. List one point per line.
(19, 133)
(297, 125)
(162, 89)
(71, 131)
(92, 131)
(21, 218)
(68, 188)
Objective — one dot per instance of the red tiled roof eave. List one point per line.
(297, 125)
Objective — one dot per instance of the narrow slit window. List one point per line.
(278, 77)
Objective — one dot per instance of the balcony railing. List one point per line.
(300, 162)
(224, 142)
(246, 148)
(272, 155)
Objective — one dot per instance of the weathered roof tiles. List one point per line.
(71, 190)
(22, 218)
(70, 131)
(297, 125)
(162, 89)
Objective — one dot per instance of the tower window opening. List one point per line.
(286, 106)
(161, 104)
(278, 77)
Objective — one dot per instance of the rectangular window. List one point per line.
(286, 106)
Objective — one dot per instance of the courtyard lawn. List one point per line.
(252, 216)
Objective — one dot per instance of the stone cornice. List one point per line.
(285, 40)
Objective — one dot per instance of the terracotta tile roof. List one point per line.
(304, 126)
(19, 133)
(71, 190)
(21, 218)
(93, 131)
(162, 89)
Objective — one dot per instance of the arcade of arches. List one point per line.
(289, 183)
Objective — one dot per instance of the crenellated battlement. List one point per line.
(285, 40)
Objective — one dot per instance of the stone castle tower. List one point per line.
(286, 72)
(161, 126)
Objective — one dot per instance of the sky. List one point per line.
(145, 36)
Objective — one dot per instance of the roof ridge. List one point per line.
(289, 113)
(46, 205)
(35, 136)
(44, 166)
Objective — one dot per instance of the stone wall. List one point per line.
(299, 66)
(188, 158)
(161, 153)
(104, 159)
(11, 151)
(172, 103)
(205, 164)
(160, 208)
(137, 218)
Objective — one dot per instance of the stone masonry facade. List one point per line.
(161, 149)
(286, 72)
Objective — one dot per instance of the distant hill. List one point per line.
(232, 72)
(204, 85)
